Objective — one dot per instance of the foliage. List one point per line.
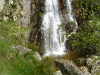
(48, 70)
(32, 46)
(12, 62)
(91, 7)
(41, 14)
(19, 65)
(14, 5)
(87, 39)
(13, 32)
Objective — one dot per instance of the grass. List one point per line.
(17, 66)
(13, 32)
(12, 63)
(20, 65)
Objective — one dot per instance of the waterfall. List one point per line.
(70, 15)
(54, 38)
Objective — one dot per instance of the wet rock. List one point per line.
(58, 73)
(68, 67)
(37, 56)
(20, 49)
(70, 27)
(36, 19)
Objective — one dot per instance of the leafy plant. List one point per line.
(87, 38)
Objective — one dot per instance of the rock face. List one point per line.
(68, 67)
(36, 18)
(96, 68)
(26, 14)
(20, 10)
(92, 62)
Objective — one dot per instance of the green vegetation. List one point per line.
(87, 38)
(13, 32)
(13, 5)
(14, 63)
(33, 47)
(41, 14)
(19, 65)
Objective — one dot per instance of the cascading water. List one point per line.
(70, 15)
(52, 34)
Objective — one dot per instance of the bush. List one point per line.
(87, 39)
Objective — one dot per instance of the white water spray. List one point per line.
(53, 36)
(70, 15)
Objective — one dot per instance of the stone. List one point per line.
(90, 60)
(58, 73)
(96, 68)
(69, 67)
(10, 56)
(25, 20)
(37, 56)
(85, 70)
(81, 61)
(92, 63)
(1, 37)
(11, 2)
(22, 13)
(5, 17)
(20, 49)
(14, 18)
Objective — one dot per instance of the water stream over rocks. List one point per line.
(53, 35)
(71, 16)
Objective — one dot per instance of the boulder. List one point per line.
(85, 70)
(69, 67)
(1, 37)
(37, 56)
(58, 73)
(92, 62)
(20, 49)
(95, 70)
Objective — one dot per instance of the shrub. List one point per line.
(87, 39)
